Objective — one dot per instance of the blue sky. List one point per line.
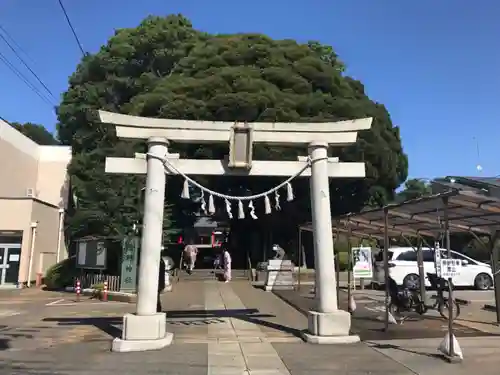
(434, 64)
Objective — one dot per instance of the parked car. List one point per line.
(403, 268)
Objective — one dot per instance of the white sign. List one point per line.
(101, 254)
(13, 257)
(82, 253)
(450, 268)
(362, 262)
(437, 259)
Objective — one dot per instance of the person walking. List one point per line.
(226, 257)
(190, 253)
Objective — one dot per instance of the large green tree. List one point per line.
(35, 132)
(165, 68)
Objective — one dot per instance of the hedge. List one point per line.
(61, 274)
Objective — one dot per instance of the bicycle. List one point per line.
(441, 303)
(407, 300)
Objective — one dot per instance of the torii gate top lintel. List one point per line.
(240, 137)
(121, 120)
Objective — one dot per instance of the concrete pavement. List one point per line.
(219, 329)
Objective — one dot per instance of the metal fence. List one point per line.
(90, 279)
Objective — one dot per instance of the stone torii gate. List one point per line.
(146, 330)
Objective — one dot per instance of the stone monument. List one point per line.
(279, 271)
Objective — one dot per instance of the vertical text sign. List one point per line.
(128, 277)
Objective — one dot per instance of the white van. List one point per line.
(403, 268)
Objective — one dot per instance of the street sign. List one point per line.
(362, 262)
(437, 259)
(450, 268)
(91, 254)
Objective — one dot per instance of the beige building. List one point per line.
(34, 187)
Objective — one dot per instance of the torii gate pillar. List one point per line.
(327, 324)
(146, 330)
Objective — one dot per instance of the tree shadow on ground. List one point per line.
(105, 324)
(246, 315)
(198, 317)
(12, 333)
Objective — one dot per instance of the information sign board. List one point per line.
(450, 268)
(91, 254)
(362, 262)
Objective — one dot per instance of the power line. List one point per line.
(72, 28)
(26, 64)
(23, 78)
(7, 34)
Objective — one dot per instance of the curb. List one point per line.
(112, 296)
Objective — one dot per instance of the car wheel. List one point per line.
(411, 281)
(483, 281)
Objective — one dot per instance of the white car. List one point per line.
(403, 268)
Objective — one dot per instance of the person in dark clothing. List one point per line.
(161, 284)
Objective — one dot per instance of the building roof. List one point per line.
(205, 222)
(467, 212)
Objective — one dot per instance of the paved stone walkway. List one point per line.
(219, 329)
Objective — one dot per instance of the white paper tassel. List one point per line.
(352, 304)
(241, 211)
(277, 201)
(211, 205)
(444, 347)
(392, 319)
(267, 205)
(228, 209)
(203, 203)
(252, 210)
(289, 192)
(185, 190)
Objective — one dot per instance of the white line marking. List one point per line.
(7, 313)
(54, 302)
(83, 303)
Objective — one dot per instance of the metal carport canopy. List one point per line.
(468, 212)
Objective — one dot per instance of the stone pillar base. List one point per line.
(329, 328)
(142, 333)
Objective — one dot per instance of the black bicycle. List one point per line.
(408, 300)
(404, 300)
(441, 302)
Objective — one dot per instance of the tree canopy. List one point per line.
(414, 188)
(165, 68)
(37, 133)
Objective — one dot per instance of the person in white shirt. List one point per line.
(190, 253)
(227, 265)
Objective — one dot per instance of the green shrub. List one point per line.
(343, 259)
(99, 286)
(61, 274)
